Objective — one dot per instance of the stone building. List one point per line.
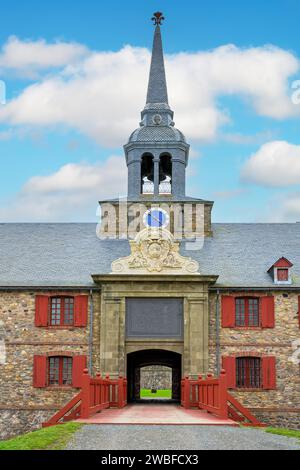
(156, 378)
(155, 284)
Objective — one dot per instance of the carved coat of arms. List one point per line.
(155, 251)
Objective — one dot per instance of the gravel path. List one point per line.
(113, 437)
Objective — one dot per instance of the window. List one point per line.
(281, 271)
(247, 312)
(60, 371)
(62, 311)
(282, 275)
(248, 372)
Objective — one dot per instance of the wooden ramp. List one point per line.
(204, 401)
(156, 414)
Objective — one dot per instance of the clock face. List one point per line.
(156, 218)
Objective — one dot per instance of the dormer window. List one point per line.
(281, 272)
(282, 275)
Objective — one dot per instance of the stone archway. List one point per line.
(152, 357)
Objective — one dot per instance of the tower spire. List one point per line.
(157, 153)
(157, 87)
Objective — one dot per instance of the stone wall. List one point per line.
(277, 407)
(20, 403)
(157, 377)
(23, 407)
(16, 422)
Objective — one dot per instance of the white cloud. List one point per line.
(274, 164)
(70, 194)
(290, 208)
(28, 57)
(282, 208)
(242, 139)
(100, 95)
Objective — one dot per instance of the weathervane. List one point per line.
(158, 18)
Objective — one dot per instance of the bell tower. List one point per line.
(157, 156)
(157, 153)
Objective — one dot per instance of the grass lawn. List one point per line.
(53, 438)
(160, 394)
(284, 432)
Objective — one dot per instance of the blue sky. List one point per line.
(76, 78)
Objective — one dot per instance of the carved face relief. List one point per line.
(154, 250)
(157, 119)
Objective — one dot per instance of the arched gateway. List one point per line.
(152, 357)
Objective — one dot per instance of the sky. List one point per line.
(75, 78)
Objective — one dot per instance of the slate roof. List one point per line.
(157, 134)
(65, 255)
(157, 87)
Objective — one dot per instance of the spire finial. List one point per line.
(157, 89)
(158, 18)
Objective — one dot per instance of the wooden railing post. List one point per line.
(200, 378)
(187, 393)
(125, 392)
(120, 392)
(223, 394)
(107, 389)
(85, 404)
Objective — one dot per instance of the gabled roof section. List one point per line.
(281, 263)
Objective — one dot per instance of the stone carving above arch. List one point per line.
(155, 251)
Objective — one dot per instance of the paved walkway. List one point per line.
(94, 437)
(152, 414)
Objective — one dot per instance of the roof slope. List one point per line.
(54, 255)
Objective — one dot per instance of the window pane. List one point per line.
(240, 312)
(54, 371)
(283, 275)
(69, 311)
(248, 372)
(253, 312)
(67, 371)
(55, 311)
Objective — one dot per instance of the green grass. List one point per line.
(160, 394)
(284, 432)
(53, 438)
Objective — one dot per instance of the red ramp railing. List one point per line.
(211, 394)
(208, 394)
(97, 393)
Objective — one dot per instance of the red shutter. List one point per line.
(41, 310)
(229, 364)
(228, 311)
(269, 373)
(81, 310)
(267, 312)
(79, 364)
(40, 371)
